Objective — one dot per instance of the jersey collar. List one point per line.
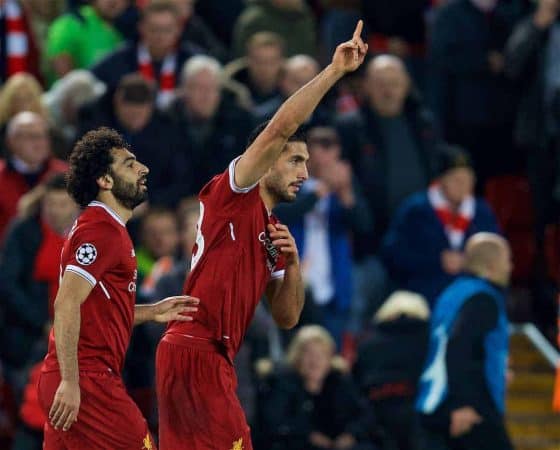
(109, 210)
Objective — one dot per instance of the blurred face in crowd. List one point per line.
(23, 99)
(315, 361)
(160, 32)
(324, 150)
(488, 255)
(485, 5)
(132, 115)
(287, 4)
(285, 178)
(298, 71)
(160, 235)
(387, 85)
(457, 184)
(28, 139)
(109, 9)
(202, 94)
(185, 8)
(264, 63)
(59, 210)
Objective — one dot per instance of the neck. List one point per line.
(124, 213)
(268, 199)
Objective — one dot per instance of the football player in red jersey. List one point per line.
(80, 387)
(241, 252)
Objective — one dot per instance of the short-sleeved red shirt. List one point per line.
(99, 249)
(233, 260)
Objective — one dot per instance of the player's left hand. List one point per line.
(283, 240)
(175, 308)
(349, 55)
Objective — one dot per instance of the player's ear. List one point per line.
(105, 181)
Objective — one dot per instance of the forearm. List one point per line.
(288, 302)
(297, 109)
(143, 313)
(67, 332)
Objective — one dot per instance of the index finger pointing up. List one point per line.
(358, 30)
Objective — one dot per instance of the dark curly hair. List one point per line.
(90, 159)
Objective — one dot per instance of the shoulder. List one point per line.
(415, 202)
(93, 224)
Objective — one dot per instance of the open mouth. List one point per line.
(143, 183)
(296, 186)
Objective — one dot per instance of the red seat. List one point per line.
(510, 198)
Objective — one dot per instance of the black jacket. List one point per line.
(24, 301)
(290, 413)
(363, 146)
(390, 361)
(525, 63)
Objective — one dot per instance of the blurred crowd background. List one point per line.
(451, 127)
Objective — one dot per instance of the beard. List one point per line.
(129, 195)
(275, 187)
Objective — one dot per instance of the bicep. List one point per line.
(260, 156)
(74, 289)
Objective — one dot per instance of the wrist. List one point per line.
(335, 72)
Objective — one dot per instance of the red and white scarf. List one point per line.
(17, 43)
(166, 85)
(455, 223)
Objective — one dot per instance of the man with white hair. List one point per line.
(462, 390)
(214, 126)
(29, 162)
(296, 72)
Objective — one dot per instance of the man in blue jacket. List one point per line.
(461, 396)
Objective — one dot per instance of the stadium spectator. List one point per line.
(322, 219)
(293, 20)
(196, 31)
(17, 42)
(156, 56)
(314, 405)
(156, 141)
(532, 61)
(390, 144)
(64, 100)
(28, 162)
(389, 378)
(214, 127)
(423, 247)
(79, 38)
(29, 273)
(22, 92)
(470, 93)
(337, 22)
(462, 390)
(260, 69)
(296, 72)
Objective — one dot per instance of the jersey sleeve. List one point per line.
(92, 251)
(223, 194)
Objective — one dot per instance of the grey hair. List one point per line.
(403, 303)
(198, 63)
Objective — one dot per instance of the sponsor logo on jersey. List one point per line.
(237, 445)
(86, 254)
(272, 252)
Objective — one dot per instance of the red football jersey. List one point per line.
(99, 249)
(233, 260)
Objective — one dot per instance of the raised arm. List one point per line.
(266, 148)
(73, 291)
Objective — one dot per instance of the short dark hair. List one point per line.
(56, 183)
(298, 136)
(159, 6)
(133, 88)
(91, 158)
